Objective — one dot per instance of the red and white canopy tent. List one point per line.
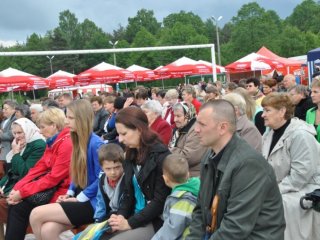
(15, 80)
(61, 79)
(182, 67)
(103, 73)
(252, 63)
(142, 74)
(289, 65)
(220, 69)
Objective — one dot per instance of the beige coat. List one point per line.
(296, 161)
(188, 146)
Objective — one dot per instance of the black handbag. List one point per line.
(314, 197)
(43, 197)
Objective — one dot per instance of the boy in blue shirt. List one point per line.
(182, 200)
(111, 157)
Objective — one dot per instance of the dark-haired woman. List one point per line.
(145, 191)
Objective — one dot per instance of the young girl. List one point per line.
(77, 206)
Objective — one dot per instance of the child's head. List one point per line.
(111, 157)
(175, 170)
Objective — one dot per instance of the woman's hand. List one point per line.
(71, 199)
(66, 198)
(118, 223)
(62, 198)
(14, 197)
(16, 146)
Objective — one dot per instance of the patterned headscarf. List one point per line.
(190, 113)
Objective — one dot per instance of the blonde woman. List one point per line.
(77, 206)
(51, 170)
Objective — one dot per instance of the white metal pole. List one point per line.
(214, 66)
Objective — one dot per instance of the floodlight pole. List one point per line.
(50, 60)
(218, 42)
(114, 54)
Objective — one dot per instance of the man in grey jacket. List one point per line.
(247, 201)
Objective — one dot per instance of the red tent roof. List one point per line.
(288, 62)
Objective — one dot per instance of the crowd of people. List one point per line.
(204, 161)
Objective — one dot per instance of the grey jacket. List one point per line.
(296, 156)
(250, 205)
(6, 137)
(188, 146)
(249, 132)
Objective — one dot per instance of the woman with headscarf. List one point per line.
(185, 140)
(27, 148)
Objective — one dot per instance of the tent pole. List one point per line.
(34, 95)
(162, 83)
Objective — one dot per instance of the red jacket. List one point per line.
(163, 129)
(196, 105)
(55, 161)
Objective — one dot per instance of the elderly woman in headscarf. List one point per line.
(184, 140)
(153, 110)
(293, 151)
(27, 148)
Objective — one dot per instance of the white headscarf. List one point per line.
(31, 132)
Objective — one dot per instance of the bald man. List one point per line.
(239, 196)
(289, 81)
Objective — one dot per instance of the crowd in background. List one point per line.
(155, 155)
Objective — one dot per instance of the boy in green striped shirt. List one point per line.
(182, 200)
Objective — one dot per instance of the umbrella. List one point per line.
(19, 80)
(61, 79)
(253, 62)
(103, 73)
(143, 74)
(182, 67)
(219, 68)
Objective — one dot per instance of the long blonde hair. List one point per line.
(250, 103)
(83, 114)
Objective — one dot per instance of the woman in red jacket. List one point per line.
(153, 110)
(53, 168)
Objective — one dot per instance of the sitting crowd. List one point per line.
(190, 163)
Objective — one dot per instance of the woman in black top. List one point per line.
(145, 191)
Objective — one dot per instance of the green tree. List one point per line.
(69, 28)
(252, 28)
(186, 18)
(306, 16)
(144, 18)
(146, 59)
(291, 42)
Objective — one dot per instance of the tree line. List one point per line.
(252, 28)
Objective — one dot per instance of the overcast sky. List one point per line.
(20, 18)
